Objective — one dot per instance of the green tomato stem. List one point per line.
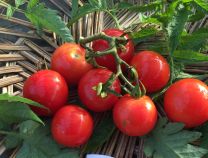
(113, 41)
(114, 18)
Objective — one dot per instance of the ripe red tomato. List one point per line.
(89, 96)
(153, 70)
(135, 117)
(186, 101)
(48, 88)
(72, 126)
(108, 60)
(69, 61)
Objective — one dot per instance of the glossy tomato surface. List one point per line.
(72, 126)
(135, 117)
(186, 101)
(88, 94)
(108, 60)
(69, 61)
(153, 70)
(48, 88)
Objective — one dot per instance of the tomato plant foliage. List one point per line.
(35, 140)
(167, 140)
(30, 133)
(170, 140)
(39, 143)
(41, 17)
(101, 133)
(13, 109)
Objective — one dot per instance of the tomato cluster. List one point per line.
(185, 101)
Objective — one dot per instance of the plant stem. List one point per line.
(6, 5)
(126, 81)
(113, 41)
(89, 39)
(114, 18)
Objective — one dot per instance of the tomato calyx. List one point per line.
(136, 88)
(99, 90)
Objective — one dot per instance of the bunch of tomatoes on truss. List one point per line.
(109, 75)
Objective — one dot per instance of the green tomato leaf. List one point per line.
(202, 5)
(4, 126)
(67, 153)
(43, 17)
(31, 4)
(198, 15)
(101, 134)
(176, 27)
(102, 5)
(10, 98)
(169, 140)
(39, 144)
(19, 2)
(16, 112)
(182, 75)
(82, 11)
(74, 7)
(152, 19)
(10, 11)
(143, 35)
(187, 1)
(95, 3)
(160, 45)
(192, 151)
(190, 56)
(12, 141)
(179, 74)
(140, 8)
(107, 4)
(28, 127)
(204, 139)
(25, 129)
(172, 7)
(92, 6)
(195, 41)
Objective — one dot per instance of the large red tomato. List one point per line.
(48, 88)
(186, 101)
(153, 70)
(72, 126)
(108, 60)
(135, 117)
(69, 61)
(88, 94)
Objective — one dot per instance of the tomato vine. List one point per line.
(167, 22)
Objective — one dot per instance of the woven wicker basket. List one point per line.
(22, 52)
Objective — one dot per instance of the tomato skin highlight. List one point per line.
(152, 68)
(89, 96)
(72, 126)
(186, 101)
(69, 61)
(135, 117)
(48, 88)
(108, 61)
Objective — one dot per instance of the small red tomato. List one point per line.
(186, 101)
(135, 117)
(88, 94)
(72, 126)
(48, 88)
(69, 61)
(108, 60)
(153, 70)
